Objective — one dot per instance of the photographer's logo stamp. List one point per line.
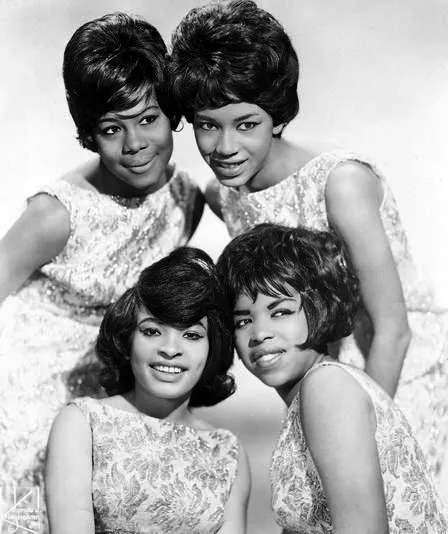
(21, 511)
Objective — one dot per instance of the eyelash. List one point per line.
(113, 129)
(277, 313)
(208, 126)
(191, 336)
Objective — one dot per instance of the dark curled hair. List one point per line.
(228, 52)
(178, 290)
(112, 63)
(272, 259)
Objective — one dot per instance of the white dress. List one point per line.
(300, 200)
(49, 326)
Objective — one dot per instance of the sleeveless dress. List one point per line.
(298, 500)
(153, 476)
(49, 326)
(300, 200)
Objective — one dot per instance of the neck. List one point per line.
(289, 391)
(174, 410)
(284, 159)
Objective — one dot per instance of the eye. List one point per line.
(109, 130)
(149, 119)
(245, 126)
(241, 323)
(193, 336)
(206, 126)
(150, 332)
(282, 312)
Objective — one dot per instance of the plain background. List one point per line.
(374, 79)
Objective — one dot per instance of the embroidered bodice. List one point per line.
(155, 477)
(298, 499)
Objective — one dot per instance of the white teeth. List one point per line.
(168, 369)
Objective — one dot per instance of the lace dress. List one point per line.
(155, 477)
(300, 200)
(298, 500)
(49, 326)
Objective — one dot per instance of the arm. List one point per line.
(339, 430)
(68, 476)
(198, 210)
(212, 197)
(39, 234)
(235, 514)
(353, 196)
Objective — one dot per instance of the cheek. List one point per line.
(240, 338)
(203, 141)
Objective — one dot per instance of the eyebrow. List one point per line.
(270, 306)
(118, 116)
(153, 319)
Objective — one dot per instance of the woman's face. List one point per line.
(167, 362)
(236, 142)
(268, 332)
(135, 147)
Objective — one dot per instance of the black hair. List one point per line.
(112, 63)
(272, 259)
(227, 52)
(178, 290)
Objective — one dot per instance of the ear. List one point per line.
(277, 130)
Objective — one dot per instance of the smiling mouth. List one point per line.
(266, 359)
(169, 369)
(228, 168)
(136, 166)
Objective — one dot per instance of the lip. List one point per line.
(260, 353)
(138, 166)
(159, 369)
(228, 168)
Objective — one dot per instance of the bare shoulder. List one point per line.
(48, 218)
(351, 179)
(332, 387)
(69, 419)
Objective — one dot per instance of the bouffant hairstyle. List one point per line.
(274, 259)
(227, 52)
(178, 290)
(112, 63)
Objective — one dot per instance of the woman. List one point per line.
(83, 239)
(346, 460)
(142, 461)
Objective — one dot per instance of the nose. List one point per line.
(170, 348)
(260, 332)
(134, 140)
(226, 144)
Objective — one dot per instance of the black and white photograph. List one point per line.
(223, 257)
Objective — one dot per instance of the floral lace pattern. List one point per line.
(300, 200)
(49, 326)
(412, 503)
(156, 477)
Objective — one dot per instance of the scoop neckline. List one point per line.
(168, 422)
(124, 201)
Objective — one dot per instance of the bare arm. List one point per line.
(212, 197)
(339, 429)
(235, 514)
(39, 234)
(68, 476)
(353, 197)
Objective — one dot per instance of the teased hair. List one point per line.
(178, 290)
(227, 52)
(272, 259)
(112, 63)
